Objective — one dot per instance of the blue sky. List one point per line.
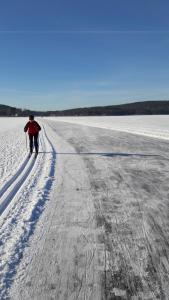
(63, 54)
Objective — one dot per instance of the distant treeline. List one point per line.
(136, 108)
(8, 111)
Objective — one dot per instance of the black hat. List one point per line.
(31, 117)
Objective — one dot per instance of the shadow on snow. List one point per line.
(107, 154)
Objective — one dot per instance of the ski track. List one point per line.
(14, 184)
(9, 182)
(24, 197)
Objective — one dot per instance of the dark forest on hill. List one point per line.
(136, 108)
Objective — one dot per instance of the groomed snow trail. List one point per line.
(61, 262)
(22, 201)
(104, 233)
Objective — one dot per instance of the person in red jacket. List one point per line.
(33, 128)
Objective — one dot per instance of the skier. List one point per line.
(33, 129)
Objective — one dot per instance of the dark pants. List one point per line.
(33, 141)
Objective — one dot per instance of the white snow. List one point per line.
(24, 190)
(7, 124)
(154, 126)
(67, 229)
(12, 146)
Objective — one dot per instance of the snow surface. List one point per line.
(88, 219)
(12, 146)
(22, 200)
(154, 126)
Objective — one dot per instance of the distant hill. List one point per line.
(9, 111)
(136, 108)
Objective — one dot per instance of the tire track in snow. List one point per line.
(25, 212)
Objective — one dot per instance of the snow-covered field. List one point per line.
(154, 126)
(87, 219)
(12, 146)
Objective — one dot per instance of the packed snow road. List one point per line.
(90, 220)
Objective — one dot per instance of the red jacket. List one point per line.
(33, 128)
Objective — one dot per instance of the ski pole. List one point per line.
(26, 142)
(38, 141)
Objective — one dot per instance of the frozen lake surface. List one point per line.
(155, 126)
(87, 219)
